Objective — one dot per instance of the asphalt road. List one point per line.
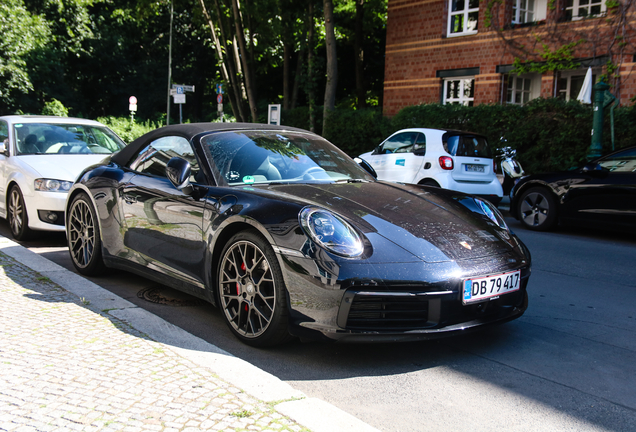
(569, 364)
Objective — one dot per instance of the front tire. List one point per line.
(82, 233)
(537, 209)
(18, 217)
(252, 293)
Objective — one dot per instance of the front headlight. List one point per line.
(493, 213)
(331, 232)
(52, 185)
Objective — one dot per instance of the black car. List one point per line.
(601, 194)
(288, 236)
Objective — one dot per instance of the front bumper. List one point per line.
(395, 301)
(40, 208)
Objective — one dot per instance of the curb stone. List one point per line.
(310, 413)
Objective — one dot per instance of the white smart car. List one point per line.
(449, 159)
(40, 158)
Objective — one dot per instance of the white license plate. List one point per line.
(484, 288)
(474, 168)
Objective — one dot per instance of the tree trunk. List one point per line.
(236, 105)
(299, 71)
(359, 49)
(286, 60)
(332, 65)
(310, 68)
(247, 72)
(235, 94)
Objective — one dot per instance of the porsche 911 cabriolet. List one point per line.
(290, 237)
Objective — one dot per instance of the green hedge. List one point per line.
(549, 134)
(126, 129)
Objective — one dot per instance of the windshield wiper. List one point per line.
(351, 181)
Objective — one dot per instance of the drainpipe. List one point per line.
(595, 150)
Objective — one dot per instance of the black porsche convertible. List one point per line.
(289, 236)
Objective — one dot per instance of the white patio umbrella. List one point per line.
(585, 95)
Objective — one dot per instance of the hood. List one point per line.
(435, 225)
(60, 167)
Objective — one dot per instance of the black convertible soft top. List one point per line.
(188, 131)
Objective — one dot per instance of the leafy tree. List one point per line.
(22, 33)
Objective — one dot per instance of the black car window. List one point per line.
(624, 161)
(466, 145)
(247, 157)
(420, 144)
(153, 158)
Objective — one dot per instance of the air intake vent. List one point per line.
(376, 312)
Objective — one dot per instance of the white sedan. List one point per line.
(449, 159)
(40, 158)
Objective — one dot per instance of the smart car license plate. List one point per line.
(474, 168)
(484, 288)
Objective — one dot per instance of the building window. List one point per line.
(570, 83)
(578, 9)
(523, 88)
(463, 16)
(522, 11)
(459, 91)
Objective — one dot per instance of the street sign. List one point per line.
(132, 104)
(179, 98)
(182, 88)
(219, 107)
(219, 89)
(219, 98)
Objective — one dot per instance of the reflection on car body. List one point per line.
(290, 237)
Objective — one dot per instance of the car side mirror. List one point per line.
(366, 166)
(178, 172)
(3, 149)
(592, 166)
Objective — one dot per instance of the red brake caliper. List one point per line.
(244, 268)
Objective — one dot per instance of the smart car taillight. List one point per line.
(446, 162)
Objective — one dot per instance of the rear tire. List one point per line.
(83, 237)
(18, 217)
(252, 294)
(537, 209)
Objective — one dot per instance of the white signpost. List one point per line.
(178, 92)
(273, 114)
(132, 107)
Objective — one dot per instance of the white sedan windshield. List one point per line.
(45, 138)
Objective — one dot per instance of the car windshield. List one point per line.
(466, 145)
(46, 138)
(253, 157)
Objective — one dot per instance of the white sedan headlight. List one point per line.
(52, 185)
(331, 232)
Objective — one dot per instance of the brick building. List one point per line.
(464, 51)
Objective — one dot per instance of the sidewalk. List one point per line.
(74, 356)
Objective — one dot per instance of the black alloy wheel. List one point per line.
(82, 233)
(251, 291)
(537, 209)
(18, 218)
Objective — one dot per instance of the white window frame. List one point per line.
(464, 13)
(462, 99)
(567, 75)
(533, 92)
(576, 6)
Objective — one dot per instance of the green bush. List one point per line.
(126, 129)
(55, 108)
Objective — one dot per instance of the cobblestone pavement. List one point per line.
(66, 366)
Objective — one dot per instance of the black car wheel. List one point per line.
(82, 232)
(18, 218)
(251, 291)
(537, 209)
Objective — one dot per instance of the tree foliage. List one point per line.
(92, 55)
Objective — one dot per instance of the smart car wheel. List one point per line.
(251, 291)
(82, 232)
(18, 218)
(537, 209)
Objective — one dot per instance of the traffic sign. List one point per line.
(182, 88)
(219, 98)
(132, 100)
(179, 98)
